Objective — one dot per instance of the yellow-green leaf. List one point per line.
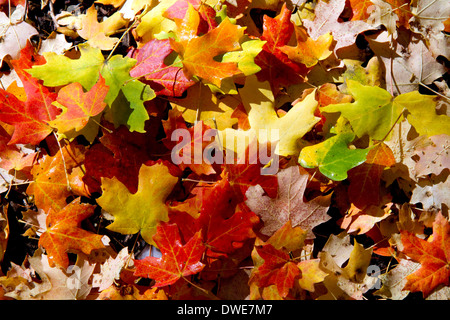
(333, 157)
(141, 211)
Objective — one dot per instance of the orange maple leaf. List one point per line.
(49, 186)
(308, 51)
(80, 106)
(64, 234)
(198, 53)
(434, 256)
(177, 261)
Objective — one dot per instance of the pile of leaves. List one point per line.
(94, 204)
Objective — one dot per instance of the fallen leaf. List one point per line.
(433, 256)
(78, 106)
(364, 189)
(98, 34)
(15, 35)
(432, 155)
(198, 52)
(165, 79)
(141, 211)
(50, 183)
(64, 233)
(288, 205)
(29, 118)
(326, 20)
(177, 261)
(308, 51)
(333, 157)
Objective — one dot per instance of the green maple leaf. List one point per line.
(333, 157)
(61, 70)
(372, 112)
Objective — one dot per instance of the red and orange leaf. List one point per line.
(276, 66)
(207, 14)
(196, 146)
(79, 106)
(364, 189)
(359, 9)
(64, 233)
(277, 269)
(49, 186)
(177, 261)
(434, 257)
(308, 51)
(121, 154)
(223, 230)
(198, 52)
(29, 118)
(165, 79)
(244, 175)
(11, 157)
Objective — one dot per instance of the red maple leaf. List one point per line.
(207, 14)
(120, 154)
(29, 118)
(434, 256)
(197, 145)
(223, 230)
(276, 66)
(277, 269)
(177, 261)
(165, 79)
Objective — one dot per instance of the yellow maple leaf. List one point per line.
(141, 211)
(265, 124)
(98, 33)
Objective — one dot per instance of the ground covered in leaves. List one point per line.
(233, 149)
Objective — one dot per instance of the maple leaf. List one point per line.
(434, 257)
(30, 117)
(97, 33)
(64, 233)
(276, 66)
(308, 51)
(258, 100)
(165, 79)
(371, 113)
(49, 186)
(326, 20)
(177, 261)
(212, 106)
(13, 157)
(289, 204)
(197, 145)
(207, 14)
(333, 157)
(141, 211)
(223, 230)
(421, 113)
(198, 53)
(277, 269)
(120, 154)
(409, 64)
(432, 156)
(243, 176)
(364, 189)
(79, 106)
(360, 9)
(15, 34)
(86, 70)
